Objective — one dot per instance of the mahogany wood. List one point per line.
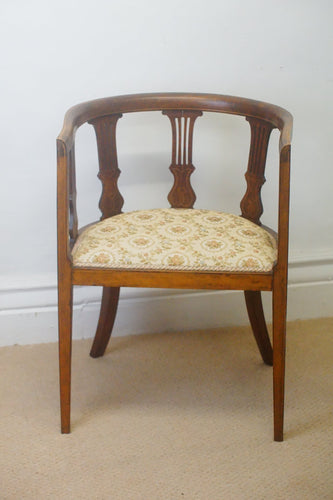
(173, 279)
(182, 124)
(109, 306)
(65, 287)
(251, 204)
(279, 352)
(111, 201)
(258, 324)
(73, 220)
(279, 295)
(182, 110)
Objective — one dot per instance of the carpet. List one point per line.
(184, 415)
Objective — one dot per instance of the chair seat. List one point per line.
(176, 239)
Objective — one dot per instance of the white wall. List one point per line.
(55, 54)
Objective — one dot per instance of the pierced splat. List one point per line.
(182, 123)
(111, 200)
(251, 204)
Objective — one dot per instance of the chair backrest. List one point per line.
(183, 110)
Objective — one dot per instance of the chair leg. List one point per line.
(65, 307)
(258, 324)
(107, 316)
(279, 354)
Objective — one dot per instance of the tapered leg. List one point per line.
(279, 354)
(107, 316)
(258, 324)
(65, 305)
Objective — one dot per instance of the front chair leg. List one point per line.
(65, 307)
(279, 354)
(107, 316)
(258, 324)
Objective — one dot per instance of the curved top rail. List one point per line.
(81, 113)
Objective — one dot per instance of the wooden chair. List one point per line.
(221, 251)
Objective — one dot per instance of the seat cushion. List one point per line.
(176, 239)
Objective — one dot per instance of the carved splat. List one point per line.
(111, 200)
(73, 220)
(251, 204)
(182, 123)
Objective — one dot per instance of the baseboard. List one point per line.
(29, 314)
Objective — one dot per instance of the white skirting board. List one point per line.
(28, 314)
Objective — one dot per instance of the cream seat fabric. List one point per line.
(176, 239)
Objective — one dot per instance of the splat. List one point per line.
(182, 124)
(251, 204)
(111, 200)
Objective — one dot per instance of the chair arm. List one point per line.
(67, 222)
(284, 195)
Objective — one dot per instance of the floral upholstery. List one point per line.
(176, 239)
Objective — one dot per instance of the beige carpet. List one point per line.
(169, 416)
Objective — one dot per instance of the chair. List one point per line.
(217, 251)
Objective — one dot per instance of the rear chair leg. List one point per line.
(258, 324)
(107, 316)
(65, 304)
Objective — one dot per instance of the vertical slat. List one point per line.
(179, 141)
(251, 204)
(182, 194)
(111, 201)
(190, 139)
(185, 141)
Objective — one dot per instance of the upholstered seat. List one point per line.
(176, 239)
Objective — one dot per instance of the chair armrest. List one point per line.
(284, 196)
(284, 190)
(67, 221)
